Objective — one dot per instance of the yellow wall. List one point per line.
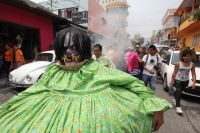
(189, 39)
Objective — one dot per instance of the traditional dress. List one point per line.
(84, 98)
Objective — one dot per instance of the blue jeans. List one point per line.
(151, 80)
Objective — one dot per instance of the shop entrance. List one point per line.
(24, 36)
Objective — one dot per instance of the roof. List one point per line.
(188, 3)
(39, 10)
(184, 4)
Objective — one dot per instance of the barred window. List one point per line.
(195, 40)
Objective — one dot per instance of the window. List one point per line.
(69, 14)
(167, 57)
(175, 58)
(195, 40)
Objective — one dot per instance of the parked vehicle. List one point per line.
(161, 47)
(28, 74)
(167, 68)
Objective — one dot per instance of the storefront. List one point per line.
(34, 24)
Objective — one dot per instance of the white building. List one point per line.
(64, 8)
(103, 3)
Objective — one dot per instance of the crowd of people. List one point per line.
(82, 95)
(136, 62)
(88, 94)
(143, 63)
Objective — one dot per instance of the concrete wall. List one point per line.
(95, 22)
(189, 39)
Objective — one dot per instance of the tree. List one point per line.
(141, 40)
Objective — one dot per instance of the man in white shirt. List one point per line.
(151, 63)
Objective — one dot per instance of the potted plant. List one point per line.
(196, 15)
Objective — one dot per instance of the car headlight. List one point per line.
(28, 78)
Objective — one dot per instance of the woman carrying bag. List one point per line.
(180, 76)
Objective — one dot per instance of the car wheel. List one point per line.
(165, 87)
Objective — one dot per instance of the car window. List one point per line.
(175, 58)
(44, 57)
(196, 60)
(167, 57)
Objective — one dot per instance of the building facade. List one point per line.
(168, 24)
(188, 32)
(103, 3)
(34, 24)
(67, 9)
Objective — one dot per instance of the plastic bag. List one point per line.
(171, 89)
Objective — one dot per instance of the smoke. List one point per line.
(110, 28)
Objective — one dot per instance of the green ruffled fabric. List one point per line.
(92, 99)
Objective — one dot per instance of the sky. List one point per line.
(145, 15)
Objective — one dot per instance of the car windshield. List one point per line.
(162, 48)
(175, 58)
(195, 60)
(44, 57)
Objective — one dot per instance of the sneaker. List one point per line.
(179, 110)
(174, 101)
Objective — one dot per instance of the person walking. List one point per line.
(8, 57)
(132, 63)
(19, 58)
(180, 76)
(151, 63)
(101, 58)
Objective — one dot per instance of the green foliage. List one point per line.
(141, 40)
(196, 15)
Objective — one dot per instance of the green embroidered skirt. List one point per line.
(92, 99)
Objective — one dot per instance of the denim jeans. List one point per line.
(151, 80)
(180, 87)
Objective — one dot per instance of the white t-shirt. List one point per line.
(152, 60)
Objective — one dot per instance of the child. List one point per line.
(180, 76)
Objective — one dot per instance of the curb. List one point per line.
(5, 89)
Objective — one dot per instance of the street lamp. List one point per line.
(180, 14)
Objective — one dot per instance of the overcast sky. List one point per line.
(146, 15)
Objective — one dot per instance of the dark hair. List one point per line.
(80, 40)
(16, 45)
(99, 46)
(153, 47)
(185, 53)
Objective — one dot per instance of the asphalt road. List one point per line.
(189, 122)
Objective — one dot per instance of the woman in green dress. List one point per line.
(78, 95)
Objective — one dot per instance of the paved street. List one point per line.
(174, 123)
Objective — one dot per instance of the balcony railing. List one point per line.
(187, 22)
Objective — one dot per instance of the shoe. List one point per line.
(174, 101)
(179, 110)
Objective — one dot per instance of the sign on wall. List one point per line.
(80, 17)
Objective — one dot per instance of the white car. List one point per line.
(167, 68)
(28, 74)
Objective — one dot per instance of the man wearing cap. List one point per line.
(137, 50)
(101, 58)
